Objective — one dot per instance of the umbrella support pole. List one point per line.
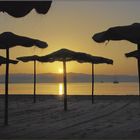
(65, 86)
(6, 87)
(92, 83)
(139, 70)
(34, 81)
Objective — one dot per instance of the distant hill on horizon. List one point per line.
(72, 77)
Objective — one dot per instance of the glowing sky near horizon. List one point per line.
(71, 25)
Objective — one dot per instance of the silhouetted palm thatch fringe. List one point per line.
(22, 8)
(130, 33)
(28, 58)
(87, 58)
(9, 40)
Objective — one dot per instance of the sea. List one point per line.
(121, 88)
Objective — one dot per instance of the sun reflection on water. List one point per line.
(60, 89)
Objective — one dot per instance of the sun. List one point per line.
(60, 70)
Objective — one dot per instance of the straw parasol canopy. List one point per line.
(130, 33)
(87, 58)
(22, 8)
(65, 55)
(9, 40)
(28, 58)
(3, 60)
(33, 58)
(60, 55)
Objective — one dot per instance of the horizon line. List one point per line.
(70, 73)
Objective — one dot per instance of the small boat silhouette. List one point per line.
(115, 82)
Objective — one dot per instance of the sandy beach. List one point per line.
(110, 117)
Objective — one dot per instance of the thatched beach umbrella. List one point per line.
(87, 58)
(33, 58)
(22, 8)
(7, 41)
(63, 55)
(130, 33)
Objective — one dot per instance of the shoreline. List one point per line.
(98, 97)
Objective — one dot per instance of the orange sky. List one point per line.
(71, 24)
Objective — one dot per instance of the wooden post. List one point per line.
(34, 81)
(6, 87)
(65, 86)
(92, 83)
(139, 69)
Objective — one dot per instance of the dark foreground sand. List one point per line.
(110, 117)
